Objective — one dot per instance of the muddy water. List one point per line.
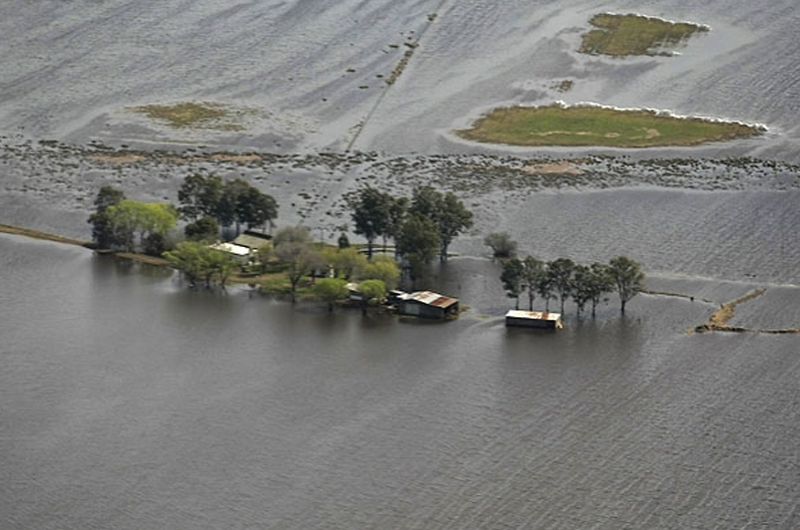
(128, 401)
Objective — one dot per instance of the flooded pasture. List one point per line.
(128, 401)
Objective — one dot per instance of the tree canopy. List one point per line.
(628, 277)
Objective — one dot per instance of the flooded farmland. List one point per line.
(129, 401)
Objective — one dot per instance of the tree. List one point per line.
(448, 213)
(293, 248)
(397, 208)
(418, 241)
(199, 196)
(560, 272)
(330, 290)
(343, 241)
(532, 272)
(204, 229)
(501, 244)
(348, 262)
(512, 277)
(147, 218)
(103, 233)
(197, 261)
(370, 214)
(371, 290)
(228, 209)
(628, 277)
(384, 268)
(453, 219)
(544, 288)
(600, 283)
(581, 286)
(254, 208)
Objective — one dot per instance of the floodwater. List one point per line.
(128, 401)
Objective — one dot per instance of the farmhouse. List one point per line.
(533, 319)
(426, 304)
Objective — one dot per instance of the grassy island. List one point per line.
(624, 35)
(192, 115)
(578, 126)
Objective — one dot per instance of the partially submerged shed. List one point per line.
(427, 304)
(533, 319)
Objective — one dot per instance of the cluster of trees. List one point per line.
(198, 261)
(117, 221)
(562, 279)
(294, 249)
(422, 227)
(207, 202)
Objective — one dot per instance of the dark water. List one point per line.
(129, 401)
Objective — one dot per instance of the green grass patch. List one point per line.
(623, 35)
(192, 115)
(557, 125)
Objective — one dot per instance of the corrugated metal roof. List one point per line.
(250, 241)
(431, 298)
(533, 315)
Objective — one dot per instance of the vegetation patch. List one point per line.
(624, 35)
(588, 125)
(192, 115)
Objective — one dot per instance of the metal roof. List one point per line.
(431, 298)
(533, 315)
(230, 248)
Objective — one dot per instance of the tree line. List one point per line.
(562, 279)
(206, 202)
(422, 226)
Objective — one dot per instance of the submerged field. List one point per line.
(558, 125)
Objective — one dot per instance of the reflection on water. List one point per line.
(130, 401)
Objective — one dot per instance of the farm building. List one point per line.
(252, 240)
(426, 304)
(533, 319)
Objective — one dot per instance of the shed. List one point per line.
(252, 240)
(427, 304)
(533, 319)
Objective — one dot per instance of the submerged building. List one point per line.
(426, 304)
(533, 319)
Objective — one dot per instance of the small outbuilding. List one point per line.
(252, 240)
(426, 304)
(533, 319)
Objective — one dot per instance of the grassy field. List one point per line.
(623, 35)
(555, 125)
(196, 115)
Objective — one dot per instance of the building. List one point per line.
(252, 240)
(427, 304)
(533, 319)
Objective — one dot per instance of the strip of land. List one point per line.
(590, 125)
(626, 35)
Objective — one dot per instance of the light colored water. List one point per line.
(128, 401)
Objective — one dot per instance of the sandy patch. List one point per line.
(118, 159)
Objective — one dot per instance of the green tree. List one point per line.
(628, 277)
(560, 272)
(384, 268)
(545, 289)
(147, 218)
(581, 286)
(196, 261)
(371, 290)
(370, 214)
(501, 244)
(330, 290)
(204, 229)
(532, 272)
(103, 233)
(448, 213)
(348, 262)
(600, 283)
(199, 196)
(254, 208)
(418, 242)
(293, 248)
(512, 278)
(343, 241)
